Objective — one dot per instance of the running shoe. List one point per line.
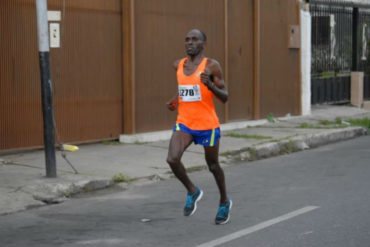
(223, 214)
(191, 202)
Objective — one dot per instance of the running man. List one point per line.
(199, 80)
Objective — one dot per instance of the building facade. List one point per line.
(112, 73)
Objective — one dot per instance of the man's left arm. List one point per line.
(212, 77)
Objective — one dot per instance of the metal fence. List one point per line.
(333, 51)
(363, 53)
(331, 40)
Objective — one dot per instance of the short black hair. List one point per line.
(204, 36)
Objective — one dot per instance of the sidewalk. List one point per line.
(22, 175)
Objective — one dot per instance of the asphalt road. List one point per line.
(319, 197)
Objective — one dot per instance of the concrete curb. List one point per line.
(41, 192)
(296, 144)
(59, 191)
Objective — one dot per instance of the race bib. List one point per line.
(190, 93)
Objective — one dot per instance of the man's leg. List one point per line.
(223, 213)
(211, 155)
(178, 144)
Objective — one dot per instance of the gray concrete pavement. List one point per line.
(22, 175)
(332, 180)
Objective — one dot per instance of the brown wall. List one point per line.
(240, 59)
(279, 65)
(127, 47)
(86, 73)
(20, 93)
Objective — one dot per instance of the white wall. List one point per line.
(305, 19)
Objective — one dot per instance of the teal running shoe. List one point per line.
(223, 214)
(191, 202)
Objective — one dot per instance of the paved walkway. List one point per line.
(22, 175)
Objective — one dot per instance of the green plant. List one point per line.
(270, 118)
(245, 136)
(121, 178)
(363, 122)
(306, 126)
(338, 120)
(326, 122)
(324, 125)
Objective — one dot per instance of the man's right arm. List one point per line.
(174, 101)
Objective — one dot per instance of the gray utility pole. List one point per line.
(47, 103)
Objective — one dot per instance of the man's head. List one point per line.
(194, 42)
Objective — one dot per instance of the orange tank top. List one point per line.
(196, 109)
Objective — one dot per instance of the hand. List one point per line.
(172, 104)
(206, 79)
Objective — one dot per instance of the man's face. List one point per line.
(193, 43)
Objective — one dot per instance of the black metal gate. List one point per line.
(367, 87)
(333, 89)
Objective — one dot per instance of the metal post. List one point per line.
(256, 58)
(47, 104)
(355, 23)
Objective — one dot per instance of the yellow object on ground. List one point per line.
(71, 148)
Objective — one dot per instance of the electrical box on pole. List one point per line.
(46, 87)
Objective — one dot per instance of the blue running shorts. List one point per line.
(207, 138)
